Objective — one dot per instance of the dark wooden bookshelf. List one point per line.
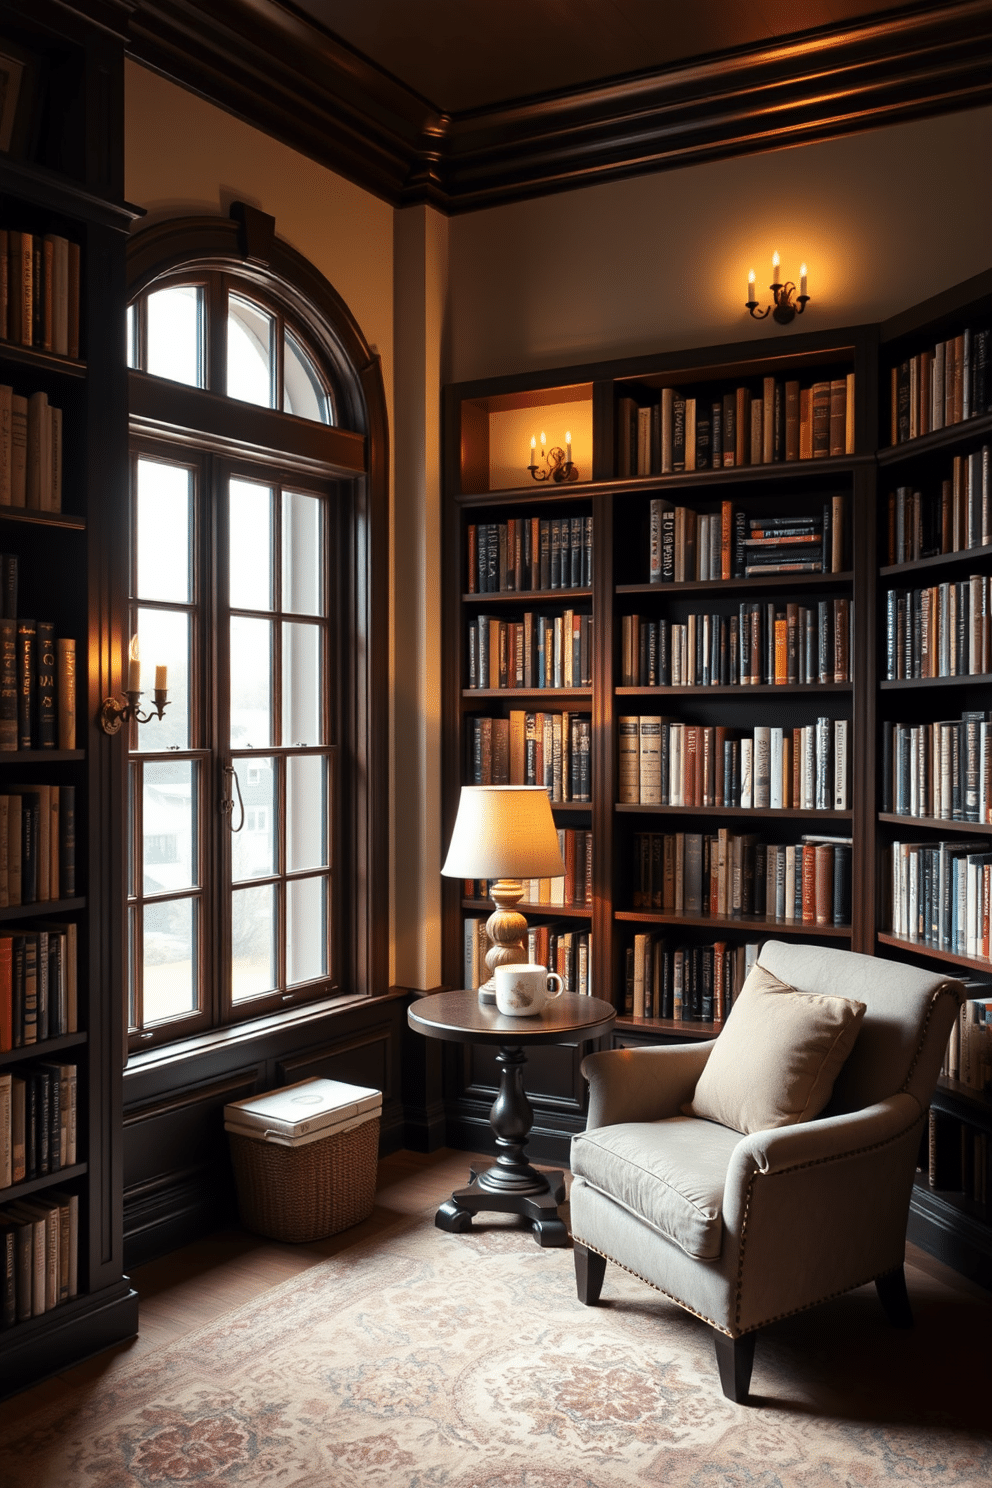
(533, 910)
(947, 958)
(901, 684)
(534, 694)
(70, 182)
(530, 596)
(620, 510)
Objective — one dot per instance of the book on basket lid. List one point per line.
(304, 1112)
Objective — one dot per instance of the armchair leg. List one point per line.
(590, 1268)
(735, 1359)
(892, 1294)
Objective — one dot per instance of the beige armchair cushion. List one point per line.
(775, 1061)
(670, 1174)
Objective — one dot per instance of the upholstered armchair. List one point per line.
(743, 1229)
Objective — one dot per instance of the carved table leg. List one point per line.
(511, 1185)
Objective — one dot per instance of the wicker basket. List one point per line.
(308, 1192)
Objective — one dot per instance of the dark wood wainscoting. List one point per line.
(177, 1175)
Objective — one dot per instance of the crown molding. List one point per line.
(266, 63)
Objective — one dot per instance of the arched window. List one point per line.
(257, 578)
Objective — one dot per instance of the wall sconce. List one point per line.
(557, 462)
(114, 712)
(788, 304)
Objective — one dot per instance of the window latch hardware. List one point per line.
(227, 802)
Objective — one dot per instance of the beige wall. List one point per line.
(884, 219)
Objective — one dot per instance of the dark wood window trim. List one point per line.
(355, 454)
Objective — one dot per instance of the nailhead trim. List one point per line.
(654, 1285)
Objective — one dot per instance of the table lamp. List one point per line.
(504, 833)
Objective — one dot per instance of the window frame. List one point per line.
(349, 464)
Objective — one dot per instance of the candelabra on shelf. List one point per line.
(557, 462)
(787, 304)
(115, 712)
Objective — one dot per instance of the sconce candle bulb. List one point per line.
(776, 270)
(114, 712)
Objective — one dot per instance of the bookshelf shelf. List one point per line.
(566, 911)
(938, 561)
(941, 440)
(902, 684)
(43, 1050)
(528, 596)
(41, 907)
(949, 958)
(688, 1028)
(47, 1180)
(936, 824)
(774, 582)
(65, 520)
(767, 689)
(534, 694)
(42, 361)
(769, 813)
(41, 756)
(718, 923)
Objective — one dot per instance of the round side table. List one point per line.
(511, 1185)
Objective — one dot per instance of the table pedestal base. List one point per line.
(511, 1185)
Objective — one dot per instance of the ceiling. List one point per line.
(470, 54)
(469, 103)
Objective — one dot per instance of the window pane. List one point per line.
(169, 826)
(169, 959)
(250, 544)
(302, 554)
(301, 684)
(165, 527)
(175, 334)
(306, 813)
(250, 370)
(305, 394)
(253, 942)
(164, 640)
(253, 848)
(132, 336)
(251, 683)
(306, 929)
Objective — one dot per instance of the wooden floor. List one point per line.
(192, 1286)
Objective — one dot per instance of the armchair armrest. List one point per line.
(642, 1084)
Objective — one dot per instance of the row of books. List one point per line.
(735, 874)
(537, 651)
(926, 524)
(574, 887)
(944, 630)
(39, 291)
(686, 546)
(663, 763)
(38, 983)
(37, 686)
(37, 844)
(941, 769)
(38, 1110)
(943, 385)
(763, 644)
(938, 894)
(39, 1254)
(969, 1048)
(30, 451)
(695, 983)
(958, 1160)
(758, 425)
(558, 946)
(528, 553)
(549, 749)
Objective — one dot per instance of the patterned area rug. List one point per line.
(430, 1360)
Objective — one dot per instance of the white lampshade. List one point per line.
(504, 831)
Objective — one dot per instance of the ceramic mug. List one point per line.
(523, 991)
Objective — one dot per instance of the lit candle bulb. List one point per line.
(544, 441)
(568, 447)
(133, 666)
(751, 297)
(802, 279)
(161, 674)
(776, 272)
(533, 452)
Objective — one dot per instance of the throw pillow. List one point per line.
(776, 1058)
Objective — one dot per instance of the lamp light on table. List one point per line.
(504, 833)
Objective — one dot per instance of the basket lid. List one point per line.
(309, 1105)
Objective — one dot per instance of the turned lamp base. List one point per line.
(507, 929)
